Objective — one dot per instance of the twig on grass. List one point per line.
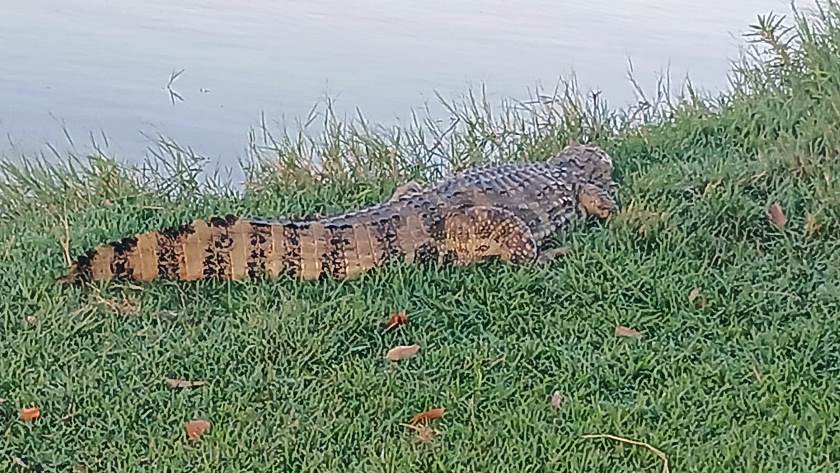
(637, 443)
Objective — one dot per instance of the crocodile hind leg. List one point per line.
(477, 233)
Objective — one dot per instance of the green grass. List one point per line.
(749, 381)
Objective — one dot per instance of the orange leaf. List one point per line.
(196, 428)
(427, 416)
(622, 331)
(402, 352)
(30, 413)
(397, 318)
(777, 216)
(183, 383)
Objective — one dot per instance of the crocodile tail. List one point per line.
(229, 248)
(232, 248)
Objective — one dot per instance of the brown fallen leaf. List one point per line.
(423, 433)
(811, 225)
(556, 399)
(397, 318)
(777, 216)
(28, 414)
(622, 331)
(183, 383)
(196, 428)
(425, 417)
(696, 298)
(402, 352)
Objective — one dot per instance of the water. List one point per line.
(102, 65)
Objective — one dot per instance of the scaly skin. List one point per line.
(507, 212)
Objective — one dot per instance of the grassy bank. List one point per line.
(746, 377)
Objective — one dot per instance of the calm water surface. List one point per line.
(102, 65)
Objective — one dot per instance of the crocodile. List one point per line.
(505, 211)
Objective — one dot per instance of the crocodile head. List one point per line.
(591, 170)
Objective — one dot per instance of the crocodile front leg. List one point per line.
(473, 234)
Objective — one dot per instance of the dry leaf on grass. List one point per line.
(423, 433)
(183, 383)
(653, 449)
(196, 428)
(397, 318)
(696, 298)
(777, 216)
(19, 462)
(428, 416)
(811, 225)
(622, 331)
(28, 414)
(556, 399)
(402, 352)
